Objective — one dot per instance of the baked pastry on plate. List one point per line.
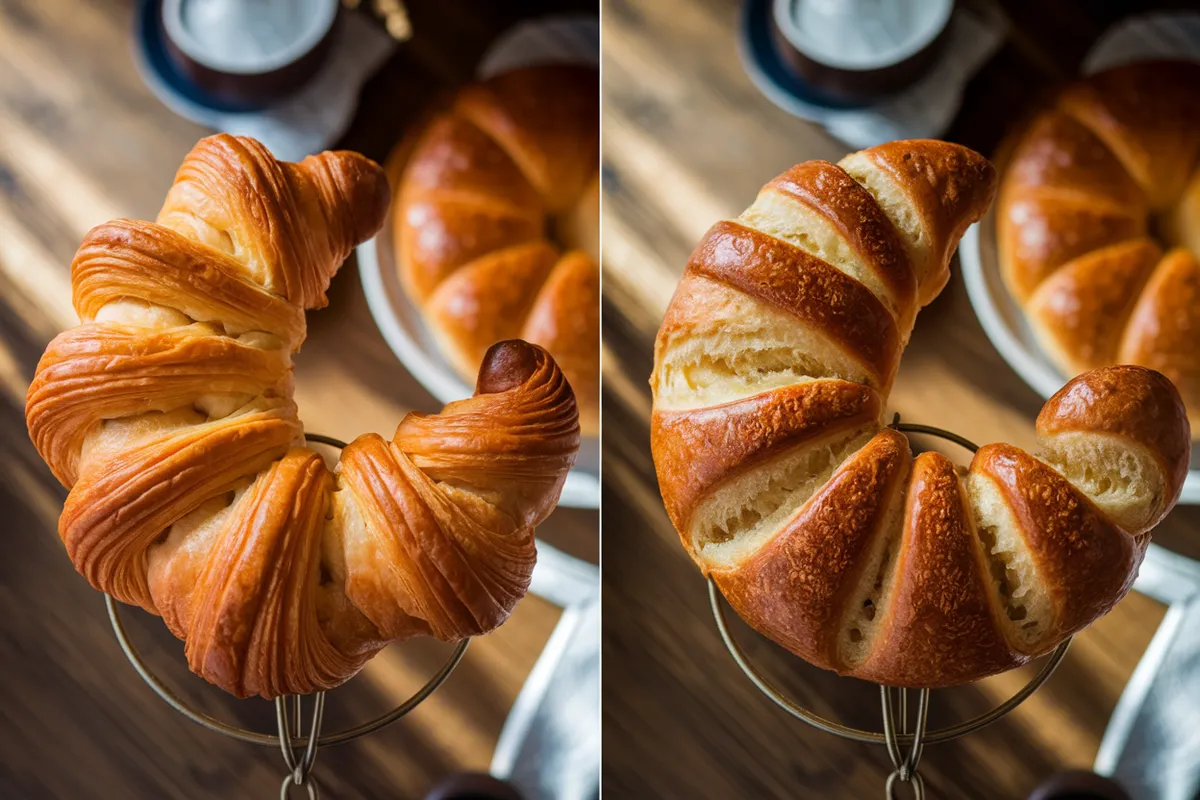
(1098, 223)
(496, 221)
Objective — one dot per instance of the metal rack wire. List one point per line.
(299, 750)
(904, 747)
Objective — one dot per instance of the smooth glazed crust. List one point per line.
(947, 187)
(694, 451)
(827, 189)
(1164, 327)
(1084, 562)
(942, 606)
(481, 189)
(168, 415)
(1134, 403)
(1115, 160)
(1148, 113)
(796, 588)
(817, 294)
(771, 369)
(1080, 312)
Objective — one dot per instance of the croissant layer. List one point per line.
(168, 414)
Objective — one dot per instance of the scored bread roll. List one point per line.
(772, 369)
(496, 221)
(1098, 223)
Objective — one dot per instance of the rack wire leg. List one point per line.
(895, 727)
(290, 731)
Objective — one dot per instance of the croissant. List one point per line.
(496, 221)
(1099, 223)
(168, 413)
(771, 372)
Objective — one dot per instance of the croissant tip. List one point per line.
(372, 196)
(507, 365)
(365, 187)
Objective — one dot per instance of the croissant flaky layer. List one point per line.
(168, 414)
(772, 369)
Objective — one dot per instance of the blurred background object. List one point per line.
(83, 140)
(420, 339)
(286, 72)
(689, 138)
(868, 71)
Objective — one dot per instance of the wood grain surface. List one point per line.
(687, 141)
(82, 140)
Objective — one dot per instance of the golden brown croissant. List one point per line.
(168, 413)
(772, 369)
(1097, 186)
(486, 194)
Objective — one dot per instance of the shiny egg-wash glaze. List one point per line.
(1098, 223)
(772, 369)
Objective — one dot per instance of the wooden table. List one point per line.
(687, 141)
(81, 141)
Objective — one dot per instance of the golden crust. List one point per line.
(948, 186)
(828, 190)
(1164, 327)
(1076, 200)
(1058, 153)
(1148, 113)
(894, 574)
(1043, 232)
(1080, 311)
(941, 606)
(1084, 562)
(695, 451)
(168, 413)
(796, 588)
(814, 292)
(508, 161)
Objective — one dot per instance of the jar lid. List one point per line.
(245, 37)
(861, 34)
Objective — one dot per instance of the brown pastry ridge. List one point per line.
(1098, 223)
(168, 414)
(772, 369)
(496, 221)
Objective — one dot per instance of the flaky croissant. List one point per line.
(772, 369)
(168, 413)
